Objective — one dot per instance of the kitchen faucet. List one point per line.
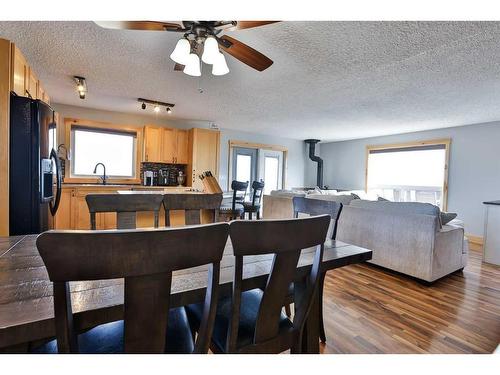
(103, 178)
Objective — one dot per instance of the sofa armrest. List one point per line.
(401, 242)
(448, 255)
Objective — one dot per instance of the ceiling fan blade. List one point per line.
(244, 53)
(240, 25)
(179, 67)
(142, 25)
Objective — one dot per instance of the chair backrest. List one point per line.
(237, 187)
(318, 207)
(284, 239)
(146, 259)
(126, 207)
(192, 204)
(258, 189)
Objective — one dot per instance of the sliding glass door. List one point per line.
(244, 165)
(252, 164)
(271, 169)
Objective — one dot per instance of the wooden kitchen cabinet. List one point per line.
(169, 145)
(152, 144)
(182, 146)
(32, 89)
(204, 147)
(20, 71)
(166, 145)
(62, 220)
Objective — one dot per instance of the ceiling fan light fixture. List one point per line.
(181, 52)
(192, 68)
(210, 50)
(219, 67)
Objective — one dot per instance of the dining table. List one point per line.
(26, 293)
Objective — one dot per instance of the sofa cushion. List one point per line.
(344, 199)
(399, 207)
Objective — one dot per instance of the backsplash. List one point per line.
(173, 171)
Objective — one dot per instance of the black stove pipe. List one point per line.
(317, 159)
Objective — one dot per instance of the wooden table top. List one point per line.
(26, 303)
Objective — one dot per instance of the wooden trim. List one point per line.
(441, 141)
(69, 122)
(5, 81)
(475, 242)
(236, 143)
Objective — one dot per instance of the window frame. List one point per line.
(446, 142)
(258, 146)
(71, 123)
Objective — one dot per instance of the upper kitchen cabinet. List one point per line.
(20, 72)
(166, 145)
(24, 81)
(205, 153)
(182, 146)
(32, 87)
(152, 144)
(169, 145)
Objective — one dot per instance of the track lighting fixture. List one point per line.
(156, 105)
(81, 86)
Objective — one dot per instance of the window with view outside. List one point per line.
(408, 174)
(116, 150)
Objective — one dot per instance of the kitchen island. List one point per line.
(73, 212)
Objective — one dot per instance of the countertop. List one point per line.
(124, 186)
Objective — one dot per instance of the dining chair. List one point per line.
(251, 321)
(310, 206)
(254, 205)
(235, 210)
(126, 207)
(192, 204)
(145, 258)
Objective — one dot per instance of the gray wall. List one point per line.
(474, 169)
(296, 149)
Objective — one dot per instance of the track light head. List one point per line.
(169, 110)
(143, 106)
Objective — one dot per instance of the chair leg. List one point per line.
(322, 335)
(258, 215)
(250, 215)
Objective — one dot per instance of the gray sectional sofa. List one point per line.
(404, 237)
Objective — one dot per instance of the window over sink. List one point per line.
(115, 146)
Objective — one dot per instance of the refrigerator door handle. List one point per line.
(54, 205)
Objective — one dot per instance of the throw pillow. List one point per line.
(382, 199)
(355, 196)
(446, 217)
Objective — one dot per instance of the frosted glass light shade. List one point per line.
(181, 52)
(220, 66)
(210, 50)
(192, 67)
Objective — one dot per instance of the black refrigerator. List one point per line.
(35, 170)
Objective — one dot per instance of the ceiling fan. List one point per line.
(202, 39)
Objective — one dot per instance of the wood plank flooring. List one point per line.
(371, 310)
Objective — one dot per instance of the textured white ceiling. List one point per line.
(329, 80)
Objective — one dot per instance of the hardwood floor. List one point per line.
(371, 310)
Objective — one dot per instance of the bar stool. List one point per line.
(254, 205)
(235, 210)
